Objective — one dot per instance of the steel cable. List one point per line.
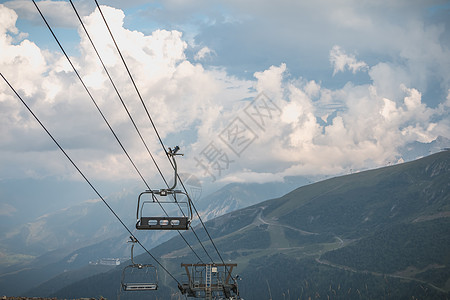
(87, 180)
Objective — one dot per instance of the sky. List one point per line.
(251, 91)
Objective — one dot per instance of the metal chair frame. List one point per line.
(139, 286)
(165, 222)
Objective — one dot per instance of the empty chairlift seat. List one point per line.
(139, 277)
(139, 286)
(163, 210)
(163, 223)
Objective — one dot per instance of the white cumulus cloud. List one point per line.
(340, 61)
(284, 124)
(203, 53)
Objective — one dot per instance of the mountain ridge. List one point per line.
(313, 240)
(312, 231)
(72, 231)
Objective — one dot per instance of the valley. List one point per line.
(381, 233)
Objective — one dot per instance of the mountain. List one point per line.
(32, 229)
(24, 200)
(17, 279)
(383, 233)
(42, 246)
(63, 217)
(51, 237)
(235, 196)
(417, 149)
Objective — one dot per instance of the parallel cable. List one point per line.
(86, 179)
(131, 118)
(153, 125)
(114, 86)
(106, 121)
(131, 77)
(90, 95)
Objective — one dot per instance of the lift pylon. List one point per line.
(209, 280)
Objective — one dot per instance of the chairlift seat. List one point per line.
(138, 277)
(139, 286)
(162, 223)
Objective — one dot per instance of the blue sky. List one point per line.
(342, 85)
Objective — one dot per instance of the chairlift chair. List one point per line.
(136, 278)
(158, 202)
(164, 220)
(139, 277)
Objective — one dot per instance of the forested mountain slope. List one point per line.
(377, 234)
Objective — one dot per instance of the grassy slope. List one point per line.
(376, 234)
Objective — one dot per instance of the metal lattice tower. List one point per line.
(208, 292)
(209, 281)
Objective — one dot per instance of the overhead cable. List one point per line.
(90, 95)
(131, 118)
(154, 127)
(109, 126)
(86, 179)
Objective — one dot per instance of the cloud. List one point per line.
(9, 18)
(7, 209)
(340, 61)
(25, 55)
(365, 131)
(301, 34)
(56, 12)
(203, 53)
(298, 126)
(250, 176)
(271, 80)
(178, 93)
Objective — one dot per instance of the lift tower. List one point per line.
(208, 280)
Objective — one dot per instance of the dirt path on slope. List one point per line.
(349, 269)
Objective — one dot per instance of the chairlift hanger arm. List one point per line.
(171, 155)
(134, 241)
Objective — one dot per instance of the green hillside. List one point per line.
(378, 234)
